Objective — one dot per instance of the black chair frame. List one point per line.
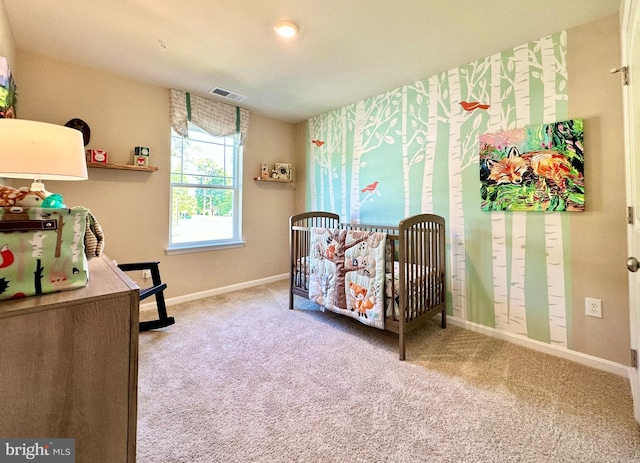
(155, 290)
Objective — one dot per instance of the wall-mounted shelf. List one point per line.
(101, 165)
(274, 180)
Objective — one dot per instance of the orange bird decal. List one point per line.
(318, 143)
(470, 106)
(370, 188)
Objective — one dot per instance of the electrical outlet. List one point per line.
(593, 307)
(146, 274)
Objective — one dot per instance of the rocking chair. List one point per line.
(155, 290)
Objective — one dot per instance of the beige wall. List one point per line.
(7, 47)
(133, 207)
(598, 236)
(301, 160)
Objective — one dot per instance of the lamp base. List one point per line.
(39, 187)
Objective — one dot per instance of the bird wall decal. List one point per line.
(470, 106)
(370, 188)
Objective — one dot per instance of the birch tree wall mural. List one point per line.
(415, 149)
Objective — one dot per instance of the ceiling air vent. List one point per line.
(227, 94)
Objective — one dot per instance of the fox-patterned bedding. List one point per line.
(388, 277)
(347, 273)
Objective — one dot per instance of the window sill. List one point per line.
(203, 247)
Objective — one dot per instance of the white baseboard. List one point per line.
(562, 352)
(214, 292)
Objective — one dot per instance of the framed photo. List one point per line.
(282, 171)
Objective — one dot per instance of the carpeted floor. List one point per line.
(240, 378)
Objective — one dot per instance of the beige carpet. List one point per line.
(240, 378)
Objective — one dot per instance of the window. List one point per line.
(205, 190)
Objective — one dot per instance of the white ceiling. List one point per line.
(347, 50)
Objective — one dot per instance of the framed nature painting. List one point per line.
(8, 93)
(536, 168)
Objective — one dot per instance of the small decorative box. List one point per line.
(140, 161)
(97, 156)
(141, 151)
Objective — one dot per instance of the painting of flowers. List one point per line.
(536, 168)
(8, 93)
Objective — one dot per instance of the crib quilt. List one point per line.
(347, 273)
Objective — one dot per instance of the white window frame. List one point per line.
(206, 245)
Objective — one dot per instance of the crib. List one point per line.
(415, 267)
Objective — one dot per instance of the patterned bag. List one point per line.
(42, 250)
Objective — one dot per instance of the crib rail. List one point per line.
(300, 226)
(422, 272)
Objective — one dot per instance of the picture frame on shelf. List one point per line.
(282, 171)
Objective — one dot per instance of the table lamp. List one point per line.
(41, 151)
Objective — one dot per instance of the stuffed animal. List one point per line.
(25, 197)
(30, 198)
(9, 195)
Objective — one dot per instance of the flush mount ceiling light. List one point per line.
(286, 29)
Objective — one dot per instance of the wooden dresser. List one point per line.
(69, 366)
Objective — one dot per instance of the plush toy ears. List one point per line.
(29, 198)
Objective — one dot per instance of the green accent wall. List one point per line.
(420, 144)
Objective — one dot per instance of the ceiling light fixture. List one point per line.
(286, 29)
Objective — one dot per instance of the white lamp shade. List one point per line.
(37, 150)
